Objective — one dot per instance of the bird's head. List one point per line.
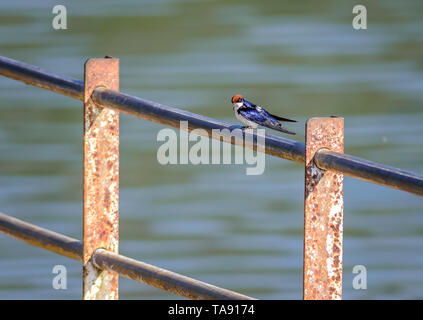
(237, 100)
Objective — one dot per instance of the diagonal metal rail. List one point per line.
(274, 145)
(107, 260)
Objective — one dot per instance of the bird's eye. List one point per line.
(240, 99)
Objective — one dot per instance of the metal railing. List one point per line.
(322, 154)
(106, 260)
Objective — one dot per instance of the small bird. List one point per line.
(253, 115)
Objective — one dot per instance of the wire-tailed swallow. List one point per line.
(253, 115)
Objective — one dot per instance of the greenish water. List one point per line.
(214, 223)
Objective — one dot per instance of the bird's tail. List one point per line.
(282, 119)
(279, 128)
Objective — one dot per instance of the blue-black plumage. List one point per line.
(253, 115)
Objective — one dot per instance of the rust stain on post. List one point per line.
(101, 179)
(323, 213)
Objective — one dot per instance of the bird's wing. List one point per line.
(249, 104)
(254, 115)
(260, 109)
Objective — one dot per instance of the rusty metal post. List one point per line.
(101, 179)
(323, 213)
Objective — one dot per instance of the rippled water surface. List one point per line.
(213, 222)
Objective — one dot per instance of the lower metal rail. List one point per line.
(124, 266)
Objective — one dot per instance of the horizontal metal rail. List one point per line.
(40, 237)
(277, 146)
(106, 260)
(161, 278)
